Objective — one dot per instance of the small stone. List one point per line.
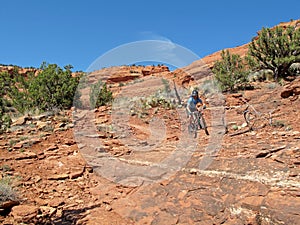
(9, 204)
(295, 133)
(26, 155)
(70, 142)
(89, 168)
(76, 174)
(20, 121)
(18, 145)
(56, 202)
(52, 147)
(293, 173)
(41, 125)
(244, 125)
(108, 208)
(193, 171)
(59, 177)
(70, 125)
(182, 194)
(47, 211)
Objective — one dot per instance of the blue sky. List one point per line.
(77, 32)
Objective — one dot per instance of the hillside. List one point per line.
(135, 163)
(252, 177)
(243, 49)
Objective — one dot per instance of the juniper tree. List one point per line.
(275, 49)
(100, 95)
(52, 88)
(5, 83)
(230, 72)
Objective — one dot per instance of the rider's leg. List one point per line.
(190, 118)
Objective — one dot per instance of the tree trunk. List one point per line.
(276, 73)
(177, 95)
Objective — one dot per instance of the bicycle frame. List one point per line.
(196, 123)
(196, 117)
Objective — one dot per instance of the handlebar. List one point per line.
(200, 108)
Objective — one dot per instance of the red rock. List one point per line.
(59, 177)
(24, 213)
(26, 155)
(55, 202)
(76, 174)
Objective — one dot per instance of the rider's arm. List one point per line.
(188, 106)
(202, 103)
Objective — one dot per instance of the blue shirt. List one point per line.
(191, 103)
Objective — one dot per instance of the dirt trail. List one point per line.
(147, 170)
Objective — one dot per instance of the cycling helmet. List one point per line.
(195, 93)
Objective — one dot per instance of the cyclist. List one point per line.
(192, 102)
(191, 107)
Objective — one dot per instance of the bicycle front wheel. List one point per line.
(203, 125)
(192, 130)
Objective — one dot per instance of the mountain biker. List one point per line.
(192, 102)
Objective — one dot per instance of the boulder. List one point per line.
(24, 213)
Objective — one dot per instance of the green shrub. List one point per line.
(5, 168)
(209, 86)
(52, 88)
(19, 94)
(7, 193)
(275, 49)
(272, 85)
(100, 95)
(157, 100)
(278, 123)
(5, 83)
(166, 84)
(230, 72)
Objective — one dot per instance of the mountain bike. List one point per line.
(196, 123)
